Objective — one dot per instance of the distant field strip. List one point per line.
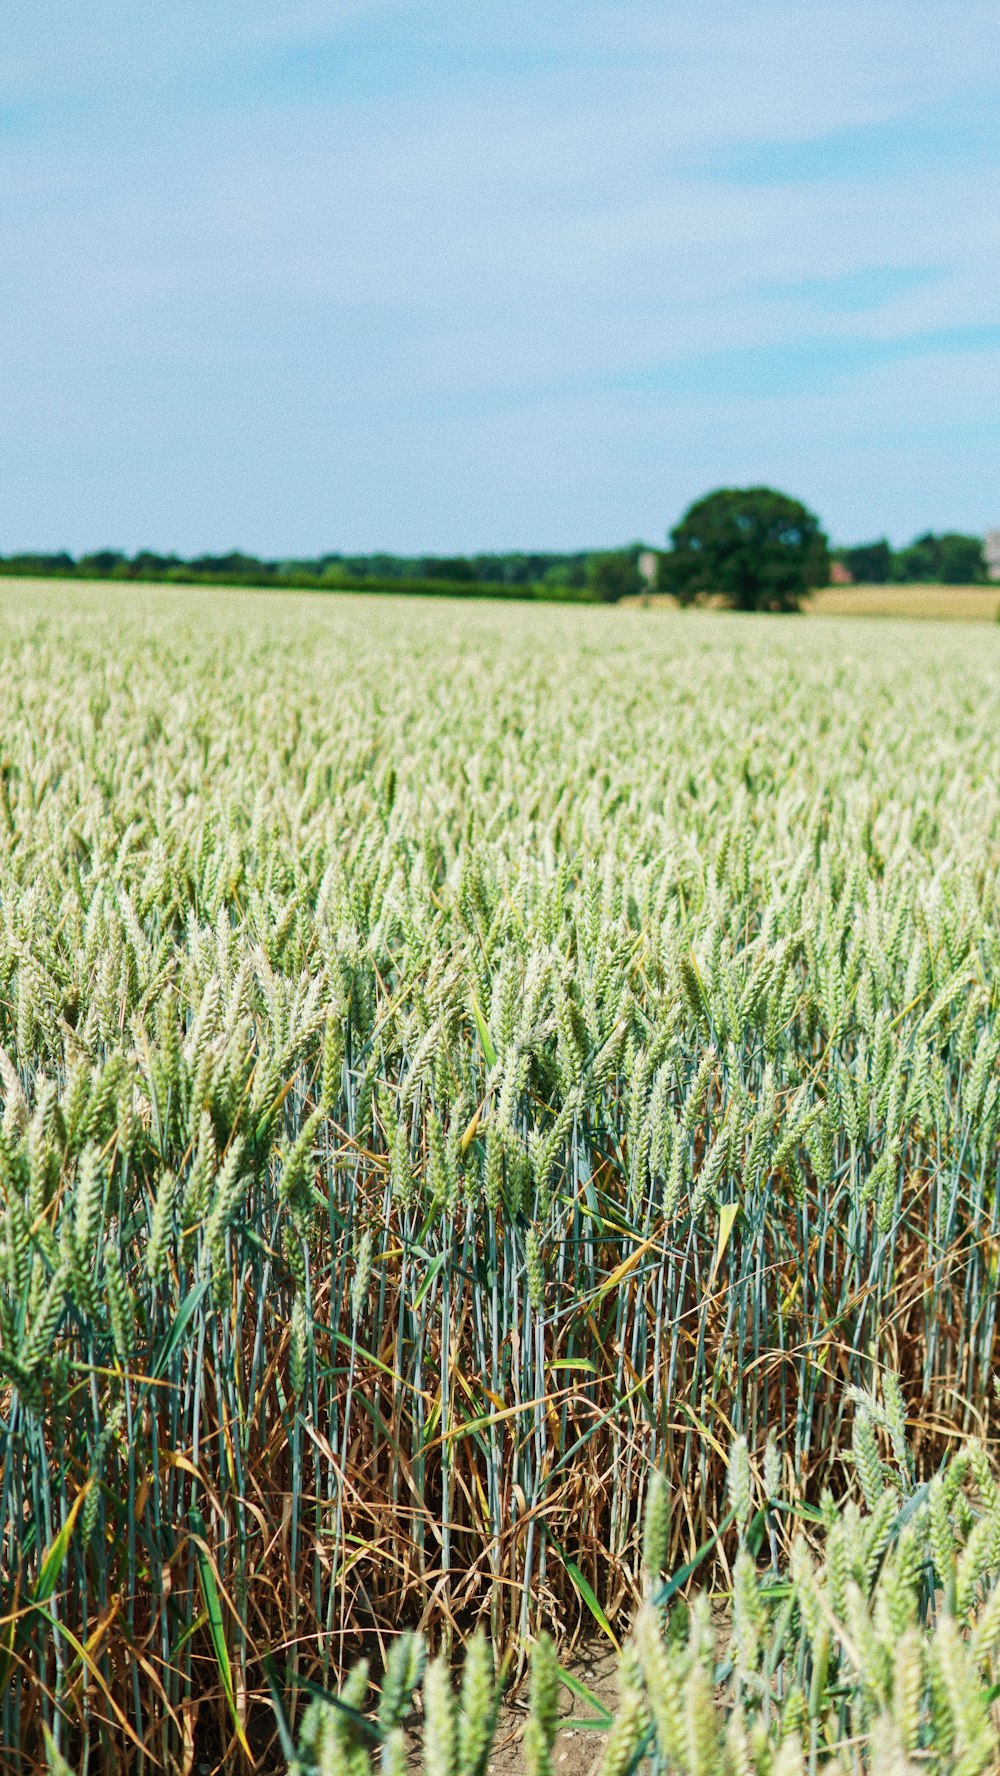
(958, 604)
(950, 604)
(451, 1058)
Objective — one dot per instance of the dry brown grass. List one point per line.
(956, 604)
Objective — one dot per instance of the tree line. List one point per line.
(517, 575)
(952, 559)
(754, 548)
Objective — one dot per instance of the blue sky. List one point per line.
(426, 275)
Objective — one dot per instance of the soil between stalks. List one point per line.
(577, 1750)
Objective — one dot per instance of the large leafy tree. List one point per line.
(754, 547)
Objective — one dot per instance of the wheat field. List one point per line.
(455, 1063)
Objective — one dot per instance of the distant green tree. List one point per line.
(756, 548)
(102, 564)
(60, 565)
(870, 564)
(245, 570)
(147, 565)
(448, 567)
(378, 567)
(952, 559)
(571, 573)
(961, 559)
(613, 575)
